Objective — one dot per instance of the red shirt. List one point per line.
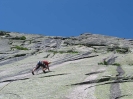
(46, 62)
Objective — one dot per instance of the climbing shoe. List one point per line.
(44, 71)
(32, 73)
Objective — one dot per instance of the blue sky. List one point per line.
(68, 17)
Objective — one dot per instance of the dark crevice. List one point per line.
(121, 96)
(11, 80)
(104, 81)
(46, 56)
(111, 82)
(93, 81)
(91, 73)
(55, 75)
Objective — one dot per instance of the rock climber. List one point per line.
(44, 64)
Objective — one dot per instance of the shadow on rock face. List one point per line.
(43, 72)
(93, 81)
(11, 80)
(55, 75)
(107, 80)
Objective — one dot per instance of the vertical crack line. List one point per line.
(115, 91)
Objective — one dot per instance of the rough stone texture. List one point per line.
(96, 39)
(75, 73)
(4, 46)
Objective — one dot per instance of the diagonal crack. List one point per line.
(11, 80)
(111, 82)
(91, 73)
(121, 96)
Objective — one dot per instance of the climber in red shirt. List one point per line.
(44, 64)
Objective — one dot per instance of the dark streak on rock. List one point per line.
(115, 87)
(91, 73)
(10, 80)
(54, 75)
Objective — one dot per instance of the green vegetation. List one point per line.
(23, 38)
(119, 50)
(116, 64)
(95, 51)
(61, 52)
(85, 44)
(2, 33)
(71, 51)
(20, 48)
(122, 50)
(106, 63)
(131, 64)
(90, 45)
(19, 38)
(103, 63)
(110, 49)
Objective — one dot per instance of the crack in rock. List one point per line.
(80, 93)
(115, 87)
(11, 80)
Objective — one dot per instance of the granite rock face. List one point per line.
(98, 40)
(88, 66)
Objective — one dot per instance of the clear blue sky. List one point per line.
(68, 17)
